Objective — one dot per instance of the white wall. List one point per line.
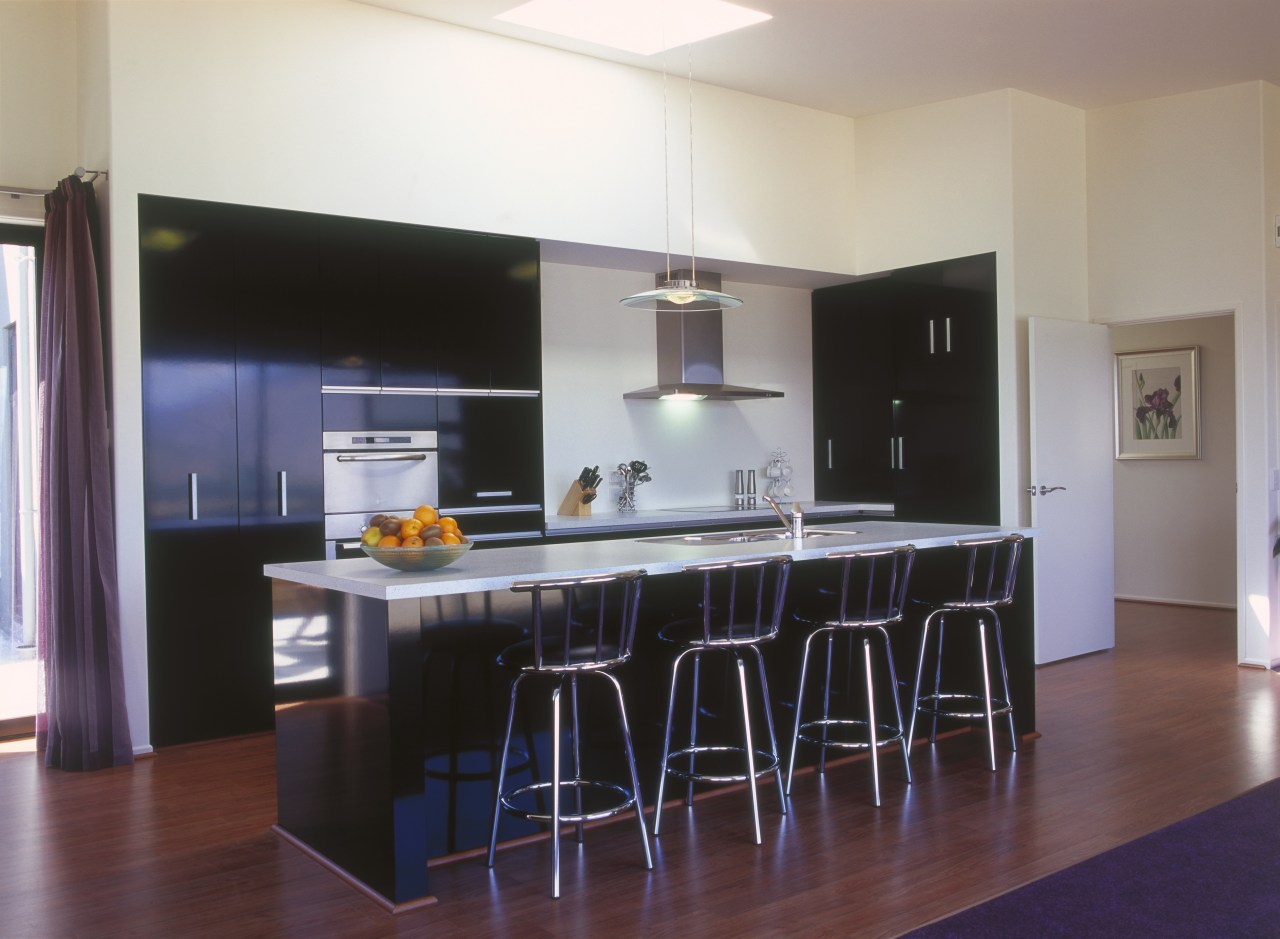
(1176, 197)
(594, 350)
(1175, 520)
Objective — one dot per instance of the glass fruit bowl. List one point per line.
(425, 558)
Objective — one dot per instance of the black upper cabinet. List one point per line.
(423, 308)
(906, 396)
(188, 368)
(490, 452)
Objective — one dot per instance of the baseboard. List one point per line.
(1165, 601)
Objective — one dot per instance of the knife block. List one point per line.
(573, 504)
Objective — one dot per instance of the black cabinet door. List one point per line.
(514, 337)
(188, 372)
(278, 374)
(490, 451)
(410, 302)
(852, 394)
(348, 302)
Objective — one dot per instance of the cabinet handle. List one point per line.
(948, 334)
(931, 337)
(893, 455)
(831, 463)
(193, 495)
(283, 487)
(900, 463)
(495, 494)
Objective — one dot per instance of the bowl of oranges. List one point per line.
(424, 541)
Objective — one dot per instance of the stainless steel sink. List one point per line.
(744, 537)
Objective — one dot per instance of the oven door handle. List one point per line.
(380, 457)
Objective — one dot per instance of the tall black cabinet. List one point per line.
(231, 458)
(906, 395)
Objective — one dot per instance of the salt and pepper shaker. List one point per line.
(739, 494)
(751, 487)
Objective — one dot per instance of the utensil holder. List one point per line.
(573, 505)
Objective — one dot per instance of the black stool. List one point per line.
(590, 633)
(872, 592)
(991, 572)
(741, 608)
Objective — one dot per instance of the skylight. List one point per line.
(640, 26)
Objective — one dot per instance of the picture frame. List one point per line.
(1157, 404)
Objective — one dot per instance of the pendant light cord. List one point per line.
(693, 254)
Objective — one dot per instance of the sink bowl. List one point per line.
(744, 537)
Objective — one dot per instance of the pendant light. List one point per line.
(681, 291)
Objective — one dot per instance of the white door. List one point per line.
(1072, 447)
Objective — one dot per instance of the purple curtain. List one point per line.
(82, 722)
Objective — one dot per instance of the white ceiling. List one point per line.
(858, 57)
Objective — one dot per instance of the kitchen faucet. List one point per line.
(795, 524)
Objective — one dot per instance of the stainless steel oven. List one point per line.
(366, 472)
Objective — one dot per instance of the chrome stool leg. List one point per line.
(631, 765)
(873, 749)
(795, 735)
(577, 754)
(693, 729)
(555, 790)
(897, 704)
(750, 745)
(502, 767)
(1004, 680)
(826, 704)
(666, 745)
(915, 691)
(773, 736)
(986, 693)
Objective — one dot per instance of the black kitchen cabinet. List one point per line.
(489, 478)
(232, 452)
(906, 392)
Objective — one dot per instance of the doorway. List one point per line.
(1175, 520)
(20, 250)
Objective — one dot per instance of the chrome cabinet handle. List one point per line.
(901, 465)
(495, 494)
(380, 457)
(193, 496)
(893, 455)
(946, 336)
(282, 485)
(931, 345)
(830, 459)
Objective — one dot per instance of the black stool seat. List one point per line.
(583, 627)
(991, 572)
(870, 598)
(741, 609)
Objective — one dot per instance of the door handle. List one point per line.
(282, 485)
(1045, 490)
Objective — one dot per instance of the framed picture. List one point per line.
(1157, 405)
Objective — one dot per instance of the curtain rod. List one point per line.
(15, 192)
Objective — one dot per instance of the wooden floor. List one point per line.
(1164, 726)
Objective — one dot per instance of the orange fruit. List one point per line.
(412, 541)
(410, 527)
(447, 523)
(389, 541)
(426, 514)
(450, 537)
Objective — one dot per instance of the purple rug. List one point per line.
(1216, 874)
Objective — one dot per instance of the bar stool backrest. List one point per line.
(992, 571)
(873, 584)
(592, 624)
(743, 600)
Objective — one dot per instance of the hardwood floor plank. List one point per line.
(1162, 727)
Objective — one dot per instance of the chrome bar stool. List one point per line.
(583, 627)
(872, 592)
(992, 570)
(741, 609)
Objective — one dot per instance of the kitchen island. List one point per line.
(352, 753)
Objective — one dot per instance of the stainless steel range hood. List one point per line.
(691, 352)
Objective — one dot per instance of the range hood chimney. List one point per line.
(691, 351)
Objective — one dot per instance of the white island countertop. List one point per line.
(498, 568)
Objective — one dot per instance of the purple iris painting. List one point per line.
(1158, 416)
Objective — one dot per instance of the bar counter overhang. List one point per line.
(351, 739)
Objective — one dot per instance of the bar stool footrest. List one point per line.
(810, 732)
(766, 763)
(933, 705)
(626, 799)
